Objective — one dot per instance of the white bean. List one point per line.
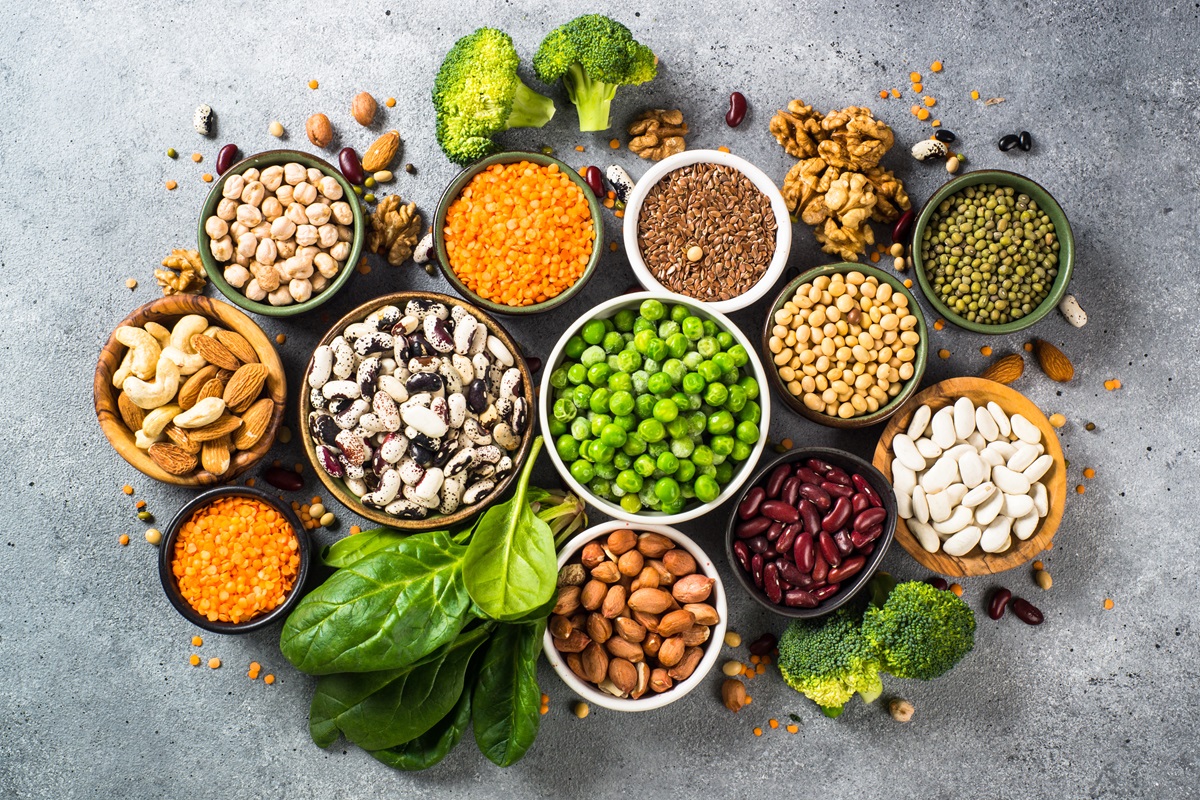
(1025, 455)
(920, 505)
(906, 451)
(977, 441)
(920, 422)
(904, 480)
(1002, 448)
(1017, 505)
(425, 421)
(979, 494)
(995, 535)
(956, 492)
(1000, 418)
(943, 428)
(989, 509)
(1038, 468)
(928, 448)
(986, 425)
(1025, 430)
(963, 541)
(1024, 526)
(940, 475)
(1010, 482)
(926, 535)
(1041, 499)
(938, 506)
(964, 417)
(972, 469)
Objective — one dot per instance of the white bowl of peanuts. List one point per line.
(280, 232)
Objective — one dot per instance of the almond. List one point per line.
(189, 393)
(172, 458)
(183, 439)
(363, 108)
(214, 455)
(131, 414)
(254, 424)
(676, 622)
(623, 674)
(213, 387)
(244, 386)
(225, 425)
(214, 352)
(653, 601)
(319, 130)
(595, 662)
(1053, 361)
(614, 601)
(237, 345)
(1005, 369)
(381, 152)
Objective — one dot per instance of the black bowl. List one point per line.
(852, 464)
(168, 545)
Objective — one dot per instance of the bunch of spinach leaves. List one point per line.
(415, 636)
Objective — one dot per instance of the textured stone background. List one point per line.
(96, 696)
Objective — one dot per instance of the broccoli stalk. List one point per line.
(529, 109)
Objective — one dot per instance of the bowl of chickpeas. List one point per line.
(845, 345)
(280, 233)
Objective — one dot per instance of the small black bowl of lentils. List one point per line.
(992, 251)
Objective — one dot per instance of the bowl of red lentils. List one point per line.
(518, 233)
(234, 560)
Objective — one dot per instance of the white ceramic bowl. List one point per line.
(783, 224)
(712, 648)
(743, 472)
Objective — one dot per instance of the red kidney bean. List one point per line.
(867, 549)
(763, 645)
(595, 181)
(864, 486)
(758, 544)
(787, 539)
(756, 569)
(903, 225)
(861, 540)
(1026, 611)
(817, 465)
(350, 165)
(838, 475)
(283, 479)
(999, 602)
(818, 496)
(937, 583)
(748, 508)
(534, 363)
(737, 109)
(780, 511)
(847, 569)
(820, 570)
(810, 516)
(807, 475)
(859, 503)
(844, 544)
(829, 549)
(829, 590)
(804, 553)
(742, 553)
(837, 489)
(771, 583)
(870, 518)
(800, 598)
(226, 157)
(837, 516)
(791, 573)
(791, 490)
(775, 482)
(774, 531)
(756, 526)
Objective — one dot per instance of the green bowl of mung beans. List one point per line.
(992, 251)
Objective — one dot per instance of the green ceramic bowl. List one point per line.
(216, 271)
(865, 420)
(1066, 251)
(439, 236)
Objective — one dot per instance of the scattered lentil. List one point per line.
(1028, 347)
(207, 177)
(1089, 473)
(943, 353)
(1108, 603)
(758, 731)
(793, 728)
(390, 102)
(197, 157)
(355, 529)
(127, 489)
(194, 660)
(774, 723)
(1080, 489)
(895, 92)
(883, 94)
(723, 149)
(985, 350)
(313, 84)
(131, 284)
(171, 185)
(214, 663)
(280, 338)
(123, 539)
(914, 77)
(935, 66)
(269, 679)
(197, 641)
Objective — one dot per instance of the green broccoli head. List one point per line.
(921, 631)
(828, 660)
(593, 55)
(477, 94)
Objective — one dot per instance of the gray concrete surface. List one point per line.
(96, 695)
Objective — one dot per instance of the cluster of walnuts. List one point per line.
(395, 229)
(838, 183)
(658, 133)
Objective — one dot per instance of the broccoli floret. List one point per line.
(920, 631)
(593, 55)
(477, 94)
(829, 659)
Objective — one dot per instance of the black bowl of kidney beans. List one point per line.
(810, 530)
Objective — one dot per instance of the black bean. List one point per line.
(1008, 142)
(943, 135)
(1025, 141)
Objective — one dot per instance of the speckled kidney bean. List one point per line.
(771, 583)
(1026, 611)
(748, 508)
(864, 486)
(816, 495)
(801, 598)
(999, 602)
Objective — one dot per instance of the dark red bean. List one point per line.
(820, 570)
(748, 508)
(847, 569)
(829, 549)
(864, 486)
(771, 583)
(827, 591)
(1026, 611)
(774, 531)
(837, 516)
(904, 226)
(742, 553)
(787, 539)
(804, 553)
(999, 602)
(791, 490)
(779, 511)
(792, 574)
(595, 181)
(838, 475)
(758, 544)
(864, 538)
(807, 475)
(870, 518)
(534, 363)
(226, 157)
(756, 569)
(859, 503)
(937, 583)
(283, 479)
(350, 165)
(800, 598)
(817, 465)
(752, 528)
(763, 645)
(819, 497)
(737, 109)
(844, 545)
(775, 482)
(810, 516)
(867, 549)
(837, 489)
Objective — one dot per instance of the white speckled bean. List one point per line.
(920, 422)
(964, 417)
(1025, 430)
(963, 541)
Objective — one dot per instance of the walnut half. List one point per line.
(190, 278)
(395, 230)
(658, 133)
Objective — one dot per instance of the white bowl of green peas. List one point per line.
(656, 408)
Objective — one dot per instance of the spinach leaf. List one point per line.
(378, 710)
(510, 566)
(388, 610)
(434, 744)
(506, 698)
(351, 549)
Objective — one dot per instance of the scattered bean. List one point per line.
(1026, 611)
(226, 157)
(1008, 142)
(1043, 580)
(350, 165)
(1025, 141)
(943, 135)
(595, 181)
(998, 603)
(764, 645)
(153, 536)
(737, 109)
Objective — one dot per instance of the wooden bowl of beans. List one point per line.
(862, 357)
(234, 535)
(518, 233)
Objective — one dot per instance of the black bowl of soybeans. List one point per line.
(810, 531)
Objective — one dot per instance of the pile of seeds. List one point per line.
(706, 231)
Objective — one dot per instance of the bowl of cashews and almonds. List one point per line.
(280, 232)
(189, 391)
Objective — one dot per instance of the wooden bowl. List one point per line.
(166, 311)
(337, 487)
(980, 391)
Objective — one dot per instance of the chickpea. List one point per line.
(295, 212)
(282, 228)
(247, 245)
(287, 248)
(252, 174)
(254, 193)
(330, 187)
(232, 189)
(241, 260)
(262, 230)
(272, 209)
(280, 297)
(345, 233)
(284, 194)
(342, 212)
(272, 177)
(314, 175)
(254, 291)
(327, 235)
(294, 173)
(340, 251)
(300, 290)
(222, 248)
(215, 227)
(267, 252)
(318, 282)
(249, 215)
(305, 193)
(227, 209)
(236, 276)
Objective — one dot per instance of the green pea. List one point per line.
(680, 312)
(747, 432)
(596, 423)
(621, 402)
(692, 328)
(576, 374)
(564, 410)
(660, 383)
(629, 361)
(651, 366)
(677, 345)
(667, 463)
(613, 342)
(600, 487)
(741, 451)
(621, 460)
(582, 471)
(685, 472)
(708, 346)
(737, 398)
(642, 324)
(707, 489)
(702, 455)
(567, 448)
(598, 402)
(682, 446)
(600, 452)
(614, 435)
(667, 328)
(644, 405)
(687, 402)
(557, 428)
(631, 503)
(720, 422)
(678, 428)
(623, 320)
(657, 349)
(693, 383)
(630, 481)
(641, 379)
(697, 422)
(597, 374)
(635, 445)
(644, 465)
(592, 332)
(692, 359)
(665, 410)
(710, 328)
(580, 428)
(716, 394)
(722, 445)
(675, 370)
(751, 412)
(750, 385)
(558, 378)
(628, 422)
(581, 395)
(726, 340)
(724, 472)
(651, 430)
(709, 371)
(667, 490)
(620, 382)
(652, 310)
(642, 340)
(593, 355)
(725, 362)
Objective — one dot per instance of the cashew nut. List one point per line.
(145, 347)
(181, 350)
(143, 441)
(124, 370)
(160, 334)
(157, 420)
(154, 393)
(188, 363)
(205, 412)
